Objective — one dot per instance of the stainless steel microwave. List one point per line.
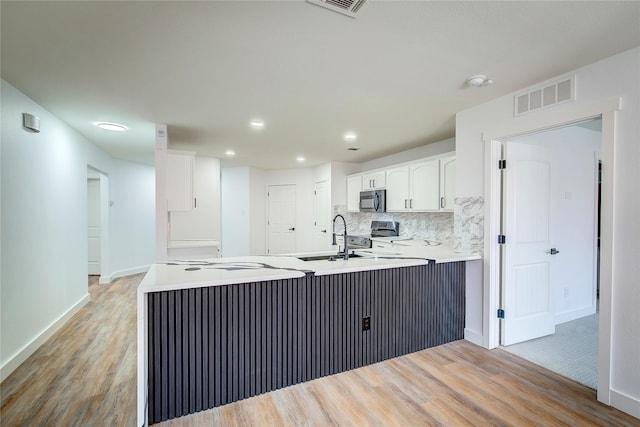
(373, 201)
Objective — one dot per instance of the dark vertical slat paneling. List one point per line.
(254, 312)
(212, 346)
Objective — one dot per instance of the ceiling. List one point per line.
(394, 75)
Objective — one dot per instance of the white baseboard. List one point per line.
(625, 403)
(105, 280)
(568, 316)
(473, 337)
(26, 351)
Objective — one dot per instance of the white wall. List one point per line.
(574, 187)
(236, 221)
(257, 212)
(44, 225)
(616, 76)
(132, 218)
(437, 148)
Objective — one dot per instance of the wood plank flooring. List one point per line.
(85, 376)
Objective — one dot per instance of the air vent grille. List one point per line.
(346, 7)
(544, 96)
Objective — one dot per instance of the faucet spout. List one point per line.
(344, 254)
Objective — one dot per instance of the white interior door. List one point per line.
(321, 217)
(93, 223)
(527, 262)
(281, 221)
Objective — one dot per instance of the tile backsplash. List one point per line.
(463, 228)
(469, 224)
(418, 225)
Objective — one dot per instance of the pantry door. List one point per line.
(528, 261)
(281, 219)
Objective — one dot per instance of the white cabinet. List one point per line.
(354, 186)
(180, 165)
(398, 189)
(447, 183)
(374, 179)
(424, 186)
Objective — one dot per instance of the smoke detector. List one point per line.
(478, 80)
(346, 7)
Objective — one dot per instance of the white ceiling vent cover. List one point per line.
(346, 7)
(563, 90)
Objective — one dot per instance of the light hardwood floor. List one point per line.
(85, 376)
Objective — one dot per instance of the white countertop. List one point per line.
(233, 270)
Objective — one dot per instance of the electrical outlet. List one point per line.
(366, 323)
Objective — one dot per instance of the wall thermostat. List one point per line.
(31, 122)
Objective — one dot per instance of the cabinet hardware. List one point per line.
(442, 202)
(405, 203)
(410, 203)
(292, 229)
(195, 202)
(553, 251)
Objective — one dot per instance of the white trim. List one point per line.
(491, 294)
(105, 280)
(625, 403)
(473, 336)
(23, 354)
(568, 316)
(539, 122)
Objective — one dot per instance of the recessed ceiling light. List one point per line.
(478, 80)
(258, 124)
(350, 136)
(300, 159)
(230, 153)
(111, 126)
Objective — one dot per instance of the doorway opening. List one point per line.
(97, 227)
(550, 263)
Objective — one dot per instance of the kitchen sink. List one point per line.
(333, 257)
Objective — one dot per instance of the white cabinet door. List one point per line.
(447, 183)
(398, 189)
(180, 167)
(373, 180)
(424, 193)
(354, 186)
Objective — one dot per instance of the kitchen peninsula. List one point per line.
(216, 331)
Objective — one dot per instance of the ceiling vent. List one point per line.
(346, 7)
(541, 97)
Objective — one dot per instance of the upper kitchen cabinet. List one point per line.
(371, 180)
(180, 167)
(414, 187)
(354, 186)
(398, 189)
(424, 186)
(447, 183)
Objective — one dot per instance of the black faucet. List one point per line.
(345, 254)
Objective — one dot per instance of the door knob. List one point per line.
(553, 251)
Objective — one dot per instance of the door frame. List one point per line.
(105, 276)
(538, 122)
